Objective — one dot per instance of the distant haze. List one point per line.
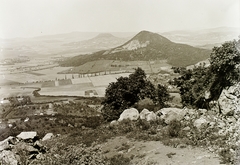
(28, 18)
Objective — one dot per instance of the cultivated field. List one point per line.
(120, 66)
(85, 86)
(6, 92)
(90, 79)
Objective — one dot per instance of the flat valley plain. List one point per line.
(53, 80)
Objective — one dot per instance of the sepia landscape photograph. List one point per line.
(119, 82)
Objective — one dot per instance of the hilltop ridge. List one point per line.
(146, 46)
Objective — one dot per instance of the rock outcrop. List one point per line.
(131, 114)
(147, 115)
(200, 122)
(169, 114)
(24, 145)
(8, 157)
(229, 100)
(47, 136)
(5, 144)
(27, 135)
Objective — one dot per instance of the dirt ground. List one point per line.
(154, 152)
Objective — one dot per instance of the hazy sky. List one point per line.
(26, 18)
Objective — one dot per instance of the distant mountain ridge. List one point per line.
(48, 46)
(102, 41)
(205, 38)
(147, 46)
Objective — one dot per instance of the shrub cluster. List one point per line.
(222, 72)
(129, 90)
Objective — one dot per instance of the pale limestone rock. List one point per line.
(131, 114)
(113, 123)
(169, 114)
(5, 143)
(147, 115)
(229, 100)
(8, 158)
(27, 135)
(200, 122)
(47, 136)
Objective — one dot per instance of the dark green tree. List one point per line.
(127, 91)
(162, 95)
(224, 62)
(191, 86)
(222, 73)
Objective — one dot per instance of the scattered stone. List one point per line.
(187, 118)
(47, 136)
(229, 100)
(131, 114)
(169, 114)
(5, 143)
(143, 114)
(202, 111)
(221, 124)
(40, 156)
(231, 119)
(21, 146)
(27, 135)
(207, 95)
(169, 155)
(200, 122)
(8, 158)
(113, 123)
(130, 149)
(39, 146)
(182, 146)
(147, 115)
(186, 128)
(212, 124)
(120, 152)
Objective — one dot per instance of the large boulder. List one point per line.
(29, 149)
(47, 136)
(8, 158)
(229, 100)
(200, 122)
(27, 135)
(169, 114)
(5, 143)
(113, 123)
(147, 115)
(131, 114)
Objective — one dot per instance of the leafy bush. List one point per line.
(93, 121)
(129, 90)
(119, 160)
(223, 72)
(77, 154)
(174, 128)
(224, 61)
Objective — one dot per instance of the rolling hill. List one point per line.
(204, 38)
(102, 41)
(55, 45)
(146, 46)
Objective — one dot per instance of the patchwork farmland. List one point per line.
(52, 83)
(89, 80)
(84, 86)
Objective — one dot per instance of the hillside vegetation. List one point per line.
(201, 85)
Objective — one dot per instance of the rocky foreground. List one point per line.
(216, 130)
(217, 133)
